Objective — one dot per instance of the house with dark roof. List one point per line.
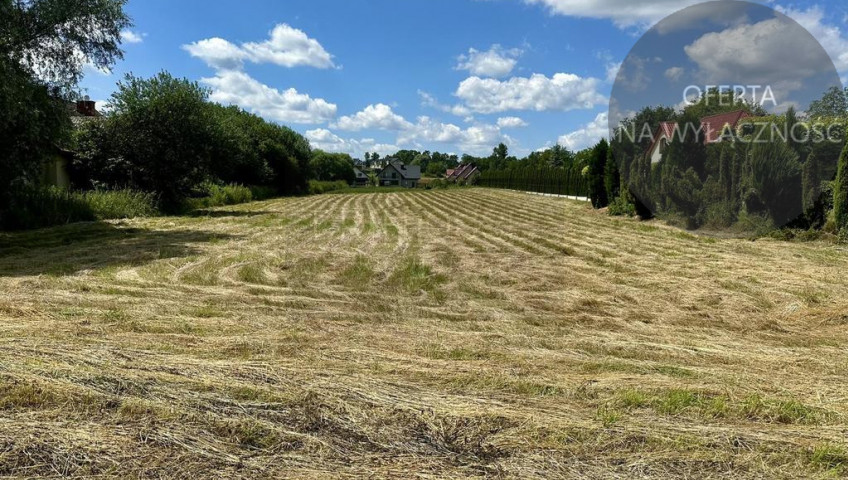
(715, 129)
(463, 174)
(361, 179)
(400, 175)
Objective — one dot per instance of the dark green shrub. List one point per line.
(840, 192)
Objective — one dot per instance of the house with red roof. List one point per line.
(714, 127)
(464, 173)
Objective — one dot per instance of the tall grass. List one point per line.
(318, 187)
(220, 195)
(117, 204)
(44, 207)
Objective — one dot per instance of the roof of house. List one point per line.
(449, 172)
(407, 172)
(463, 172)
(359, 173)
(666, 129)
(712, 126)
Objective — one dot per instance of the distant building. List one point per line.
(715, 128)
(55, 169)
(463, 174)
(400, 175)
(361, 178)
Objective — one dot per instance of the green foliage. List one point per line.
(164, 137)
(159, 138)
(44, 45)
(118, 204)
(834, 103)
(55, 39)
(317, 187)
(621, 206)
(331, 167)
(31, 125)
(214, 195)
(596, 175)
(840, 192)
(44, 207)
(773, 181)
(558, 181)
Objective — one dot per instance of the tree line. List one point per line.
(769, 172)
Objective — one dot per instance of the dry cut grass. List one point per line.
(463, 333)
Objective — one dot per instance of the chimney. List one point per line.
(86, 108)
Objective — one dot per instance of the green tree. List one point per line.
(834, 103)
(840, 191)
(332, 166)
(811, 180)
(595, 173)
(37, 69)
(159, 138)
(55, 39)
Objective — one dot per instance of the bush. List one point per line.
(214, 195)
(118, 204)
(318, 187)
(263, 193)
(622, 207)
(45, 207)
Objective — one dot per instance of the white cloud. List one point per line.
(674, 73)
(289, 47)
(477, 139)
(511, 122)
(378, 116)
(624, 13)
(324, 139)
(495, 62)
(612, 71)
(829, 36)
(562, 92)
(128, 36)
(587, 135)
(217, 53)
(732, 56)
(286, 47)
(428, 100)
(290, 106)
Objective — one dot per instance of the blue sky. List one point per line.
(449, 75)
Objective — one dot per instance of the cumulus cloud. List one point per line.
(511, 122)
(562, 92)
(495, 62)
(286, 47)
(830, 37)
(289, 106)
(756, 54)
(429, 100)
(217, 53)
(674, 73)
(475, 139)
(624, 13)
(378, 116)
(128, 36)
(588, 134)
(326, 140)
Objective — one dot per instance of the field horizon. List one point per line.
(451, 334)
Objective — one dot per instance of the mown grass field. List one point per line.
(460, 333)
